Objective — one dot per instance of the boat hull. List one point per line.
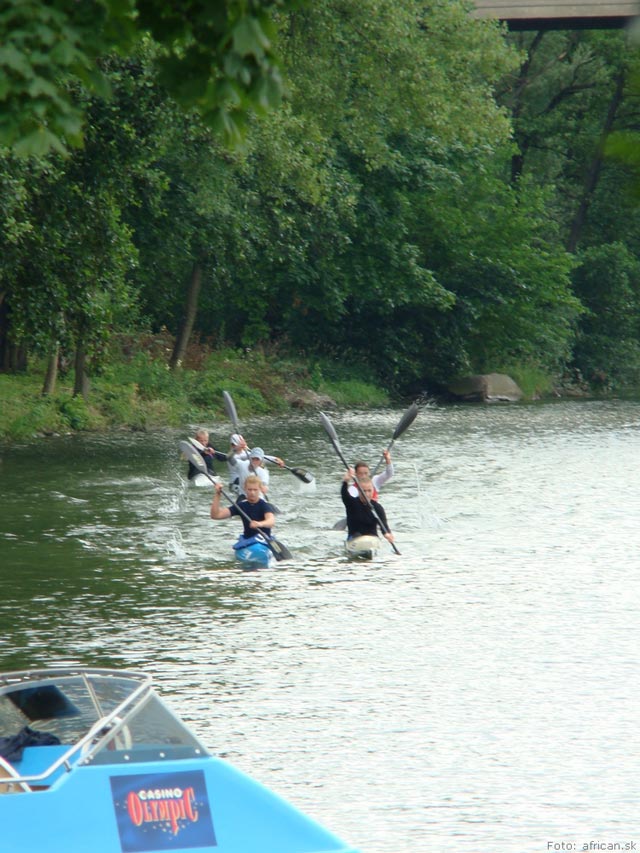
(253, 554)
(207, 805)
(117, 771)
(362, 547)
(201, 481)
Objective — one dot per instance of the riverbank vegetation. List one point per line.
(432, 197)
(136, 390)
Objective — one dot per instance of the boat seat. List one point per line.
(8, 772)
(36, 759)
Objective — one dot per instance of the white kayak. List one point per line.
(362, 547)
(201, 480)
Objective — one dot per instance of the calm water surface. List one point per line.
(477, 694)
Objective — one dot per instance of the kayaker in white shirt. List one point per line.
(244, 462)
(361, 471)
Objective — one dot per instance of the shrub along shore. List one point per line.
(135, 389)
(141, 393)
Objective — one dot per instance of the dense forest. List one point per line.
(385, 184)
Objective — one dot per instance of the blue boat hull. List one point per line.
(104, 766)
(253, 554)
(96, 810)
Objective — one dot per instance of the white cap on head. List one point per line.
(236, 439)
(257, 453)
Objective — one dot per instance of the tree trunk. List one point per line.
(191, 309)
(522, 141)
(51, 377)
(81, 383)
(13, 357)
(593, 174)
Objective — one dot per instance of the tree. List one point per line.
(217, 58)
(607, 281)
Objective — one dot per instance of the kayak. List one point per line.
(200, 480)
(253, 553)
(362, 547)
(94, 760)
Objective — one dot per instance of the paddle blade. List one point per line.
(303, 475)
(230, 408)
(340, 525)
(328, 428)
(406, 420)
(281, 552)
(191, 455)
(333, 435)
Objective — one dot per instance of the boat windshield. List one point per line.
(103, 716)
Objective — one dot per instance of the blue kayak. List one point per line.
(93, 761)
(253, 553)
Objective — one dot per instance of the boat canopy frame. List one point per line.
(104, 729)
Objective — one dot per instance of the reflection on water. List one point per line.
(476, 694)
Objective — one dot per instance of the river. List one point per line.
(478, 693)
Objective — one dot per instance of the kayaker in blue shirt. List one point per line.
(260, 513)
(361, 521)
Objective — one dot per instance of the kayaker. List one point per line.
(238, 452)
(255, 467)
(247, 462)
(361, 470)
(253, 505)
(361, 520)
(208, 453)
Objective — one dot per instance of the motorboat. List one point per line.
(362, 547)
(94, 761)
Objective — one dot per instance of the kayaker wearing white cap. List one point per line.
(239, 452)
(243, 462)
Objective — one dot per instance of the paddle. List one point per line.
(404, 423)
(333, 436)
(230, 407)
(222, 457)
(280, 551)
(300, 473)
(231, 410)
(233, 417)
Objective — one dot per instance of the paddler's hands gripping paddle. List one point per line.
(333, 436)
(279, 551)
(230, 408)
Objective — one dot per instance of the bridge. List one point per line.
(559, 14)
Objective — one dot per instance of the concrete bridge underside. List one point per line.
(562, 15)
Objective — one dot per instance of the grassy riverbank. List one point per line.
(139, 392)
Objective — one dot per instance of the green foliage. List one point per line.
(43, 44)
(215, 58)
(118, 403)
(250, 378)
(152, 377)
(25, 412)
(75, 413)
(354, 393)
(534, 382)
(385, 218)
(607, 352)
(140, 393)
